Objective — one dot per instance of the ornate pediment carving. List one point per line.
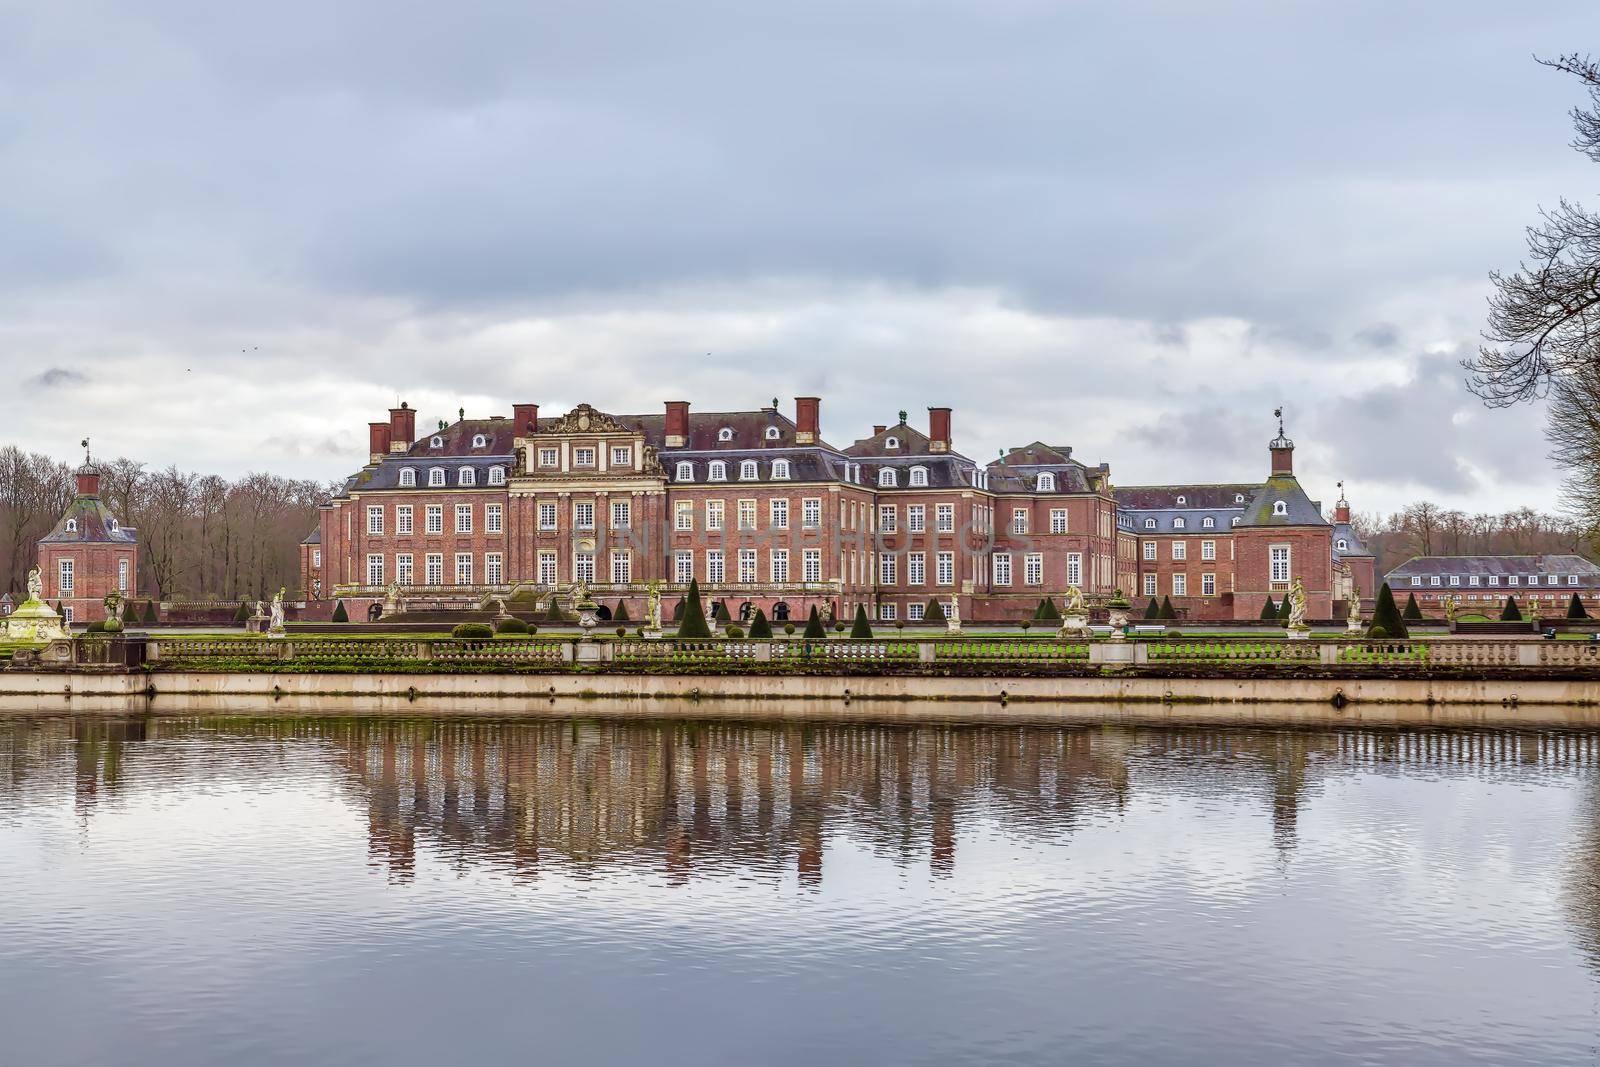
(585, 419)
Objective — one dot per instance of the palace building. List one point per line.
(764, 512)
(87, 555)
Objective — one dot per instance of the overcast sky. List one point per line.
(231, 234)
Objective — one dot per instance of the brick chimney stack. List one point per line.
(677, 424)
(938, 429)
(377, 441)
(1282, 449)
(402, 427)
(524, 418)
(88, 478)
(807, 419)
(1341, 510)
(878, 428)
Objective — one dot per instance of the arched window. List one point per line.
(780, 468)
(716, 471)
(1182, 500)
(919, 476)
(478, 440)
(437, 442)
(1149, 524)
(1236, 520)
(1179, 523)
(1207, 523)
(1047, 483)
(435, 476)
(408, 477)
(1343, 544)
(891, 442)
(772, 433)
(725, 434)
(1280, 508)
(888, 478)
(468, 476)
(72, 526)
(1238, 498)
(497, 475)
(685, 471)
(747, 471)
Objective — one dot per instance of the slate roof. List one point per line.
(92, 524)
(806, 464)
(1201, 497)
(907, 441)
(1354, 545)
(1499, 566)
(1018, 470)
(314, 537)
(1300, 510)
(705, 427)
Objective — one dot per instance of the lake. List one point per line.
(439, 891)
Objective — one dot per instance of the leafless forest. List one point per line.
(201, 537)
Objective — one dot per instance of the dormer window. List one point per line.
(780, 468)
(891, 442)
(468, 476)
(72, 526)
(747, 471)
(435, 477)
(716, 471)
(114, 526)
(919, 477)
(497, 476)
(773, 433)
(1149, 524)
(436, 442)
(1179, 523)
(408, 477)
(1235, 520)
(1047, 483)
(479, 441)
(1343, 544)
(1182, 500)
(1238, 498)
(725, 434)
(1280, 508)
(685, 472)
(887, 478)
(1207, 523)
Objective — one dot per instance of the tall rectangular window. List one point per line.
(1074, 568)
(887, 568)
(1058, 520)
(747, 565)
(916, 518)
(122, 576)
(1208, 585)
(375, 570)
(547, 568)
(683, 515)
(621, 514)
(66, 575)
(403, 569)
(715, 575)
(1208, 550)
(547, 516)
(747, 514)
(683, 568)
(493, 517)
(1033, 569)
(402, 520)
(944, 518)
(433, 517)
(1180, 550)
(1180, 585)
(374, 518)
(621, 568)
(811, 565)
(778, 565)
(916, 568)
(1278, 563)
(1002, 568)
(944, 568)
(583, 515)
(1019, 520)
(1150, 551)
(492, 568)
(1149, 585)
(714, 515)
(811, 512)
(779, 512)
(463, 568)
(433, 568)
(583, 567)
(887, 521)
(463, 518)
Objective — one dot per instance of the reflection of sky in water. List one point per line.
(437, 891)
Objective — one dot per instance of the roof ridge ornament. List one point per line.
(1282, 440)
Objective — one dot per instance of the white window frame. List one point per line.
(463, 568)
(888, 569)
(1149, 585)
(433, 568)
(374, 520)
(944, 568)
(436, 477)
(749, 470)
(1058, 520)
(916, 518)
(66, 576)
(622, 456)
(778, 566)
(1180, 550)
(944, 518)
(1280, 563)
(497, 475)
(549, 457)
(716, 471)
(493, 568)
(716, 515)
(685, 471)
(583, 567)
(747, 514)
(548, 564)
(716, 567)
(621, 567)
(404, 524)
(466, 476)
(778, 513)
(583, 456)
(811, 513)
(888, 518)
(1033, 568)
(433, 518)
(375, 569)
(493, 518)
(408, 477)
(683, 515)
(463, 518)
(683, 567)
(811, 565)
(549, 515)
(1075, 568)
(916, 568)
(1000, 568)
(1208, 584)
(582, 515)
(405, 568)
(919, 477)
(621, 514)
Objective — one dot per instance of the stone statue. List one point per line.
(580, 592)
(113, 603)
(391, 600)
(1352, 615)
(316, 589)
(1450, 610)
(35, 584)
(653, 610)
(1297, 606)
(261, 609)
(1074, 600)
(499, 603)
(276, 625)
(952, 618)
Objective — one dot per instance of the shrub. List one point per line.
(788, 628)
(1386, 620)
(1025, 623)
(1575, 608)
(838, 627)
(694, 617)
(621, 614)
(532, 629)
(149, 618)
(130, 614)
(1283, 609)
(735, 632)
(861, 629)
(1168, 613)
(241, 615)
(814, 630)
(1269, 610)
(1511, 613)
(511, 626)
(1047, 611)
(622, 631)
(759, 626)
(552, 613)
(934, 612)
(1152, 610)
(339, 614)
(899, 624)
(1413, 612)
(472, 631)
(719, 611)
(1174, 633)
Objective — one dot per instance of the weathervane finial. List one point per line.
(85, 444)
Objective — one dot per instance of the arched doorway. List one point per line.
(746, 610)
(780, 611)
(374, 612)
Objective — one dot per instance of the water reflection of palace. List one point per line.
(702, 799)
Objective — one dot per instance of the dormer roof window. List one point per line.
(1280, 508)
(497, 475)
(479, 440)
(436, 442)
(72, 526)
(685, 471)
(919, 477)
(716, 471)
(408, 477)
(435, 476)
(748, 471)
(725, 434)
(888, 478)
(1238, 498)
(1149, 524)
(1179, 523)
(468, 476)
(891, 442)
(1208, 522)
(1047, 483)
(780, 468)
(1182, 500)
(773, 433)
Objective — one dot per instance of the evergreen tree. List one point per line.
(814, 628)
(149, 613)
(1386, 615)
(934, 612)
(1413, 611)
(759, 626)
(861, 630)
(1152, 610)
(339, 614)
(694, 616)
(1575, 608)
(130, 614)
(1269, 610)
(553, 612)
(621, 614)
(677, 610)
(241, 615)
(1511, 613)
(1283, 609)
(1166, 609)
(1048, 612)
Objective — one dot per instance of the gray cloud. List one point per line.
(56, 377)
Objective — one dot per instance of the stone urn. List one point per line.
(1117, 609)
(588, 617)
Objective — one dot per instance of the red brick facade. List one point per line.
(87, 555)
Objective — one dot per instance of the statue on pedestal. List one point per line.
(653, 609)
(275, 626)
(35, 584)
(952, 616)
(1075, 619)
(1450, 610)
(113, 603)
(1352, 620)
(1297, 610)
(391, 600)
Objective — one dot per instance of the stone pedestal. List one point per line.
(34, 622)
(1301, 634)
(1074, 625)
(1353, 625)
(652, 633)
(590, 651)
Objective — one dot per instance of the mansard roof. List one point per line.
(1354, 546)
(1018, 470)
(806, 464)
(906, 442)
(705, 430)
(456, 439)
(90, 522)
(386, 475)
(1483, 565)
(1298, 510)
(1232, 496)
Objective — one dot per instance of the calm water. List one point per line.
(441, 891)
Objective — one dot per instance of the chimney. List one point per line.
(879, 428)
(1282, 449)
(1341, 510)
(677, 424)
(377, 440)
(524, 418)
(938, 429)
(402, 427)
(88, 477)
(806, 419)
